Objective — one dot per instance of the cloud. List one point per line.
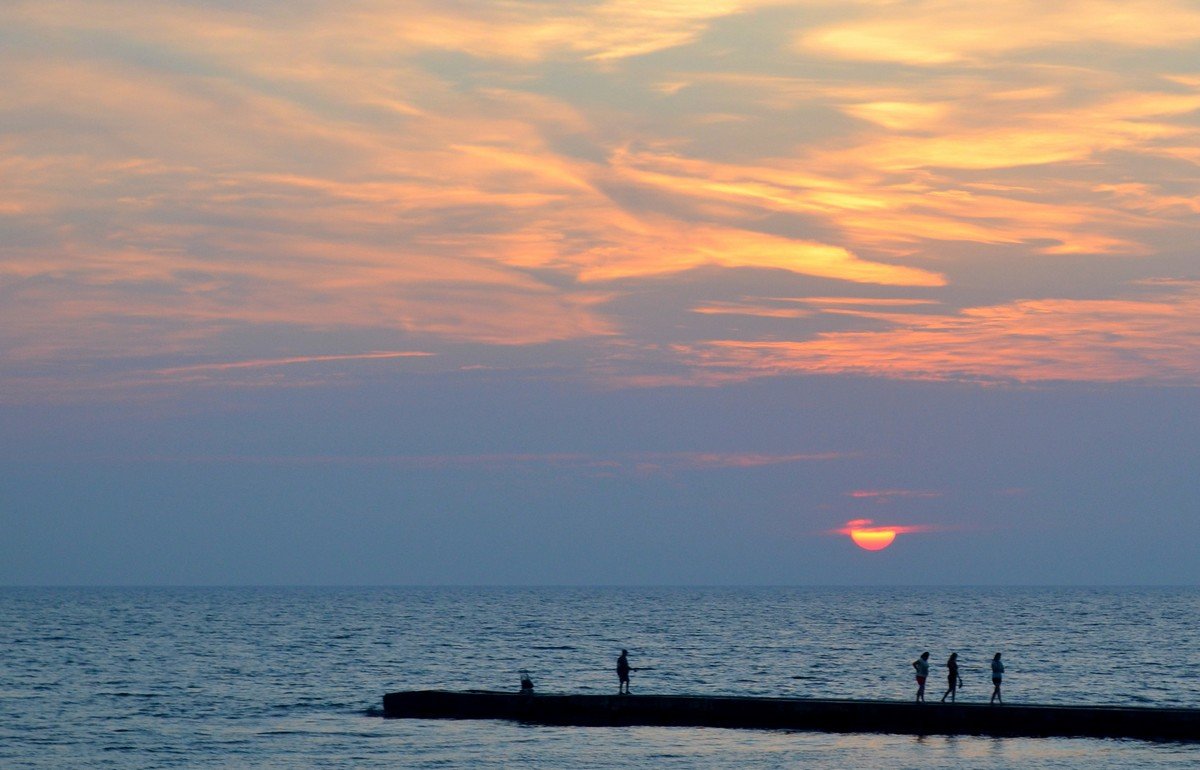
(626, 463)
(698, 246)
(503, 175)
(784, 307)
(596, 31)
(868, 525)
(275, 362)
(890, 215)
(935, 32)
(713, 460)
(885, 495)
(893, 187)
(998, 134)
(1029, 341)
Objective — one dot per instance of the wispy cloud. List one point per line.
(883, 495)
(931, 32)
(1134, 339)
(869, 525)
(265, 363)
(633, 463)
(516, 174)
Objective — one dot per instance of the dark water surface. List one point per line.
(293, 677)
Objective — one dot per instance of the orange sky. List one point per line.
(909, 190)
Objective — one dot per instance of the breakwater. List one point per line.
(801, 714)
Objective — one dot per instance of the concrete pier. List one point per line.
(1172, 724)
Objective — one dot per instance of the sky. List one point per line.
(599, 292)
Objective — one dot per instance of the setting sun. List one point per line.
(869, 537)
(873, 539)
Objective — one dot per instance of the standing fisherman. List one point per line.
(623, 670)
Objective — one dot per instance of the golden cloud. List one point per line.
(891, 215)
(933, 32)
(673, 249)
(1028, 341)
(174, 172)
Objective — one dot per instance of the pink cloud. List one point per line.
(870, 526)
(1134, 339)
(883, 495)
(175, 172)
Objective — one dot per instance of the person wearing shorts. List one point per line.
(921, 664)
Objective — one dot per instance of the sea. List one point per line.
(294, 677)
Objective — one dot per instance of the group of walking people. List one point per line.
(953, 680)
(921, 664)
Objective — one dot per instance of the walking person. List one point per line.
(953, 680)
(623, 673)
(921, 664)
(997, 677)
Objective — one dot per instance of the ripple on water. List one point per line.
(293, 677)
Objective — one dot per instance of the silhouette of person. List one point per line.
(997, 677)
(921, 664)
(623, 670)
(953, 680)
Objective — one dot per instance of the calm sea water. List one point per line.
(270, 677)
